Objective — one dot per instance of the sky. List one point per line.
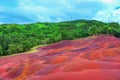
(30, 11)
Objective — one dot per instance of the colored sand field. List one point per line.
(91, 58)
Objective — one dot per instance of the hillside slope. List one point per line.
(91, 58)
(27, 36)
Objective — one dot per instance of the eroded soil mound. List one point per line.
(92, 58)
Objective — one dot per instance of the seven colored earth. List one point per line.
(91, 58)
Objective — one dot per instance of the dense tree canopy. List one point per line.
(17, 38)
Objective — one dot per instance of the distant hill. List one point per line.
(18, 38)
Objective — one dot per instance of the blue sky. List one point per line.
(27, 11)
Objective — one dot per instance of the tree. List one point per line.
(12, 48)
(19, 48)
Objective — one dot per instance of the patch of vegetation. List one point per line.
(17, 38)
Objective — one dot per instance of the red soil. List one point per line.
(92, 58)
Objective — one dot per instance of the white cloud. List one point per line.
(54, 10)
(110, 2)
(59, 10)
(110, 13)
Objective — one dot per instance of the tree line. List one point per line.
(18, 38)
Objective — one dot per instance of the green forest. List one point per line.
(18, 38)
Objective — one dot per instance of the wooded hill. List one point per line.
(18, 38)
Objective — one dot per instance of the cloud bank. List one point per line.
(111, 13)
(27, 11)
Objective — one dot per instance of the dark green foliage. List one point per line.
(12, 48)
(16, 38)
